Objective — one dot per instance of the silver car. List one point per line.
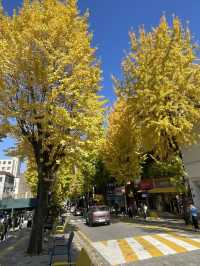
(98, 215)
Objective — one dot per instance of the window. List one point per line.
(8, 168)
(3, 168)
(0, 178)
(9, 162)
(4, 162)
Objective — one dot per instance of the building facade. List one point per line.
(191, 159)
(12, 166)
(24, 190)
(7, 185)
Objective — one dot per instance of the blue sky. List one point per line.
(111, 20)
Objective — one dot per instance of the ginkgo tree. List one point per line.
(161, 80)
(123, 148)
(49, 90)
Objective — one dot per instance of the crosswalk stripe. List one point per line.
(154, 251)
(127, 251)
(138, 248)
(132, 249)
(172, 245)
(191, 241)
(186, 246)
(161, 245)
(111, 251)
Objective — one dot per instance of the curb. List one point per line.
(96, 258)
(158, 223)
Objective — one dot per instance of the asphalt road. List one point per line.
(123, 243)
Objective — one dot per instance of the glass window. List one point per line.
(4, 162)
(8, 168)
(3, 168)
(9, 162)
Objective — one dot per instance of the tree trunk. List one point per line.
(36, 237)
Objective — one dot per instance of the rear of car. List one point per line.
(98, 215)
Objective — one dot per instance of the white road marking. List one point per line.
(111, 251)
(181, 243)
(138, 249)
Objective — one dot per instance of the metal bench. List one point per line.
(65, 251)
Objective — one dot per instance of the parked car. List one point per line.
(72, 209)
(78, 212)
(98, 215)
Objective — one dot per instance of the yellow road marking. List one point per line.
(149, 247)
(60, 263)
(171, 244)
(153, 227)
(186, 239)
(127, 251)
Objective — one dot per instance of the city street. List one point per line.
(139, 244)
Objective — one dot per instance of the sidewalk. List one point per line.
(13, 250)
(174, 223)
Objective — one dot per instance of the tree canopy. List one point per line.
(122, 149)
(162, 84)
(49, 90)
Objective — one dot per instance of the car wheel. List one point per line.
(108, 223)
(91, 223)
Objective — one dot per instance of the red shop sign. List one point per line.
(146, 184)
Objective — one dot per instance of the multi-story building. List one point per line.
(191, 159)
(24, 190)
(12, 166)
(6, 185)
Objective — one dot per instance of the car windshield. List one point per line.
(99, 208)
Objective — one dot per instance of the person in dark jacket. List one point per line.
(5, 228)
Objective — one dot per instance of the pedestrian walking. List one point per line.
(187, 214)
(194, 215)
(145, 208)
(130, 212)
(5, 223)
(29, 223)
(1, 229)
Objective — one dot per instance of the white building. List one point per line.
(24, 190)
(6, 185)
(191, 158)
(12, 166)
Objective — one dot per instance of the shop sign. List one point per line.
(146, 184)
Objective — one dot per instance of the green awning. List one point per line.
(7, 204)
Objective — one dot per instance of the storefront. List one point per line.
(115, 195)
(159, 194)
